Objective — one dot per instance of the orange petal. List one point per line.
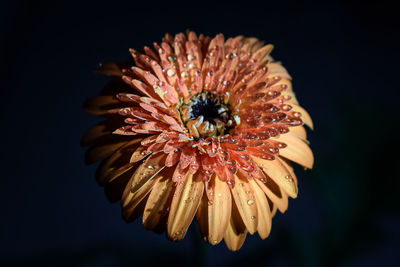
(184, 205)
(276, 69)
(219, 211)
(156, 210)
(304, 115)
(147, 171)
(243, 196)
(109, 69)
(263, 210)
(117, 164)
(202, 217)
(300, 131)
(297, 150)
(274, 193)
(100, 105)
(131, 201)
(101, 132)
(288, 165)
(236, 231)
(98, 152)
(278, 172)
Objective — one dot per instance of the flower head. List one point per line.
(202, 127)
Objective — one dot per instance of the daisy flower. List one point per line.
(200, 126)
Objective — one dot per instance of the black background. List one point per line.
(344, 59)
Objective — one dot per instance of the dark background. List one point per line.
(344, 59)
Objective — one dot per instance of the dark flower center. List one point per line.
(209, 109)
(208, 113)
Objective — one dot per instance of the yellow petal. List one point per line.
(263, 210)
(296, 150)
(156, 210)
(274, 193)
(299, 131)
(293, 100)
(100, 105)
(99, 152)
(236, 231)
(131, 201)
(117, 164)
(147, 170)
(243, 196)
(109, 69)
(115, 189)
(288, 165)
(219, 211)
(184, 205)
(101, 132)
(273, 211)
(263, 52)
(304, 115)
(276, 69)
(278, 172)
(202, 217)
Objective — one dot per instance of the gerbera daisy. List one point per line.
(202, 127)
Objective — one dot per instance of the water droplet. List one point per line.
(151, 167)
(170, 72)
(297, 114)
(250, 202)
(286, 107)
(245, 156)
(219, 195)
(190, 57)
(253, 217)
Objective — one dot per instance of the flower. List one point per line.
(212, 133)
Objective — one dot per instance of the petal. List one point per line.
(147, 171)
(109, 69)
(299, 131)
(184, 205)
(263, 210)
(278, 197)
(156, 210)
(288, 165)
(243, 196)
(304, 115)
(98, 152)
(117, 164)
(276, 69)
(296, 150)
(132, 201)
(101, 132)
(278, 172)
(236, 232)
(100, 105)
(219, 211)
(202, 217)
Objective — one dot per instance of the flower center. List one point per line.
(206, 115)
